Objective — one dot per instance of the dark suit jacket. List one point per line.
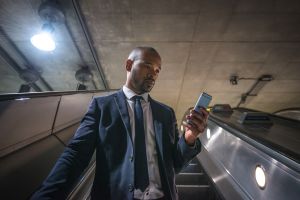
(106, 129)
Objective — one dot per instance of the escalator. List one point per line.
(251, 155)
(224, 169)
(192, 183)
(35, 129)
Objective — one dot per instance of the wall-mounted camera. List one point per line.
(234, 79)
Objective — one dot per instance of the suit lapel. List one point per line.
(157, 122)
(120, 100)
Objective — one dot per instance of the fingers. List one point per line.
(202, 114)
(191, 128)
(197, 121)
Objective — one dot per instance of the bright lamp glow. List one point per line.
(260, 176)
(43, 41)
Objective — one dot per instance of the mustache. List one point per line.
(149, 79)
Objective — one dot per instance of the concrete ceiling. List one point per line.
(202, 43)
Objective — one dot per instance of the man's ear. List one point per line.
(129, 65)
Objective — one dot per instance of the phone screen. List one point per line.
(203, 101)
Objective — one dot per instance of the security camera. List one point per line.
(234, 79)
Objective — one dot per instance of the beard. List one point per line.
(143, 86)
(147, 85)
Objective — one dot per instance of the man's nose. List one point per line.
(152, 74)
(155, 71)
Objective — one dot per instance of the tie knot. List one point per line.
(137, 98)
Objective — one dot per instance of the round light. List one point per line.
(260, 176)
(208, 133)
(43, 41)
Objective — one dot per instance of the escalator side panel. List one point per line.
(222, 182)
(282, 135)
(25, 121)
(235, 160)
(29, 147)
(66, 134)
(71, 110)
(23, 171)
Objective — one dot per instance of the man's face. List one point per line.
(144, 72)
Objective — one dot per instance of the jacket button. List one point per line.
(131, 188)
(131, 158)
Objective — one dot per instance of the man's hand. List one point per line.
(197, 122)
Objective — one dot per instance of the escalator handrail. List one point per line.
(12, 96)
(266, 148)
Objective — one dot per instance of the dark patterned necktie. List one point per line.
(140, 164)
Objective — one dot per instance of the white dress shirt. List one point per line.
(154, 190)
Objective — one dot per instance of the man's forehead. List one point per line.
(151, 57)
(146, 54)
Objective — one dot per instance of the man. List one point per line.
(138, 150)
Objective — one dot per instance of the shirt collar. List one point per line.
(129, 94)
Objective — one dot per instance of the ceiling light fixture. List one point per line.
(44, 40)
(50, 12)
(83, 75)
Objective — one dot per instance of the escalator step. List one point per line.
(191, 179)
(194, 192)
(192, 168)
(195, 161)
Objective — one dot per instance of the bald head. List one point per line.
(137, 52)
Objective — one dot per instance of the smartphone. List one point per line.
(203, 101)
